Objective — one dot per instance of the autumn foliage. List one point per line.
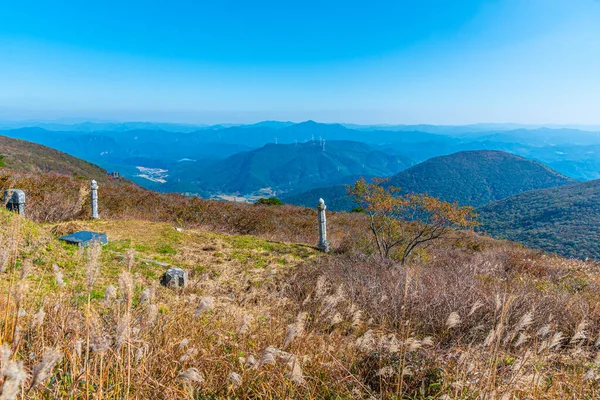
(400, 223)
(269, 316)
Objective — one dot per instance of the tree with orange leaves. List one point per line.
(402, 222)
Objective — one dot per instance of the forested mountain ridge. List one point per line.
(477, 177)
(563, 220)
(471, 178)
(289, 167)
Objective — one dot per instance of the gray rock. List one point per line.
(175, 278)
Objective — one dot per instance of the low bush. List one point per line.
(271, 201)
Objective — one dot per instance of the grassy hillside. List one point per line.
(274, 318)
(54, 198)
(286, 167)
(563, 220)
(470, 178)
(265, 315)
(20, 155)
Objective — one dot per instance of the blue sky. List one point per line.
(417, 61)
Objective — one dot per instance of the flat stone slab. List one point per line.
(85, 238)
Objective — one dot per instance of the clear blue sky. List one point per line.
(417, 61)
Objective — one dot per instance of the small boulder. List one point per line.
(175, 278)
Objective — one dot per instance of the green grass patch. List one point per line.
(119, 246)
(165, 248)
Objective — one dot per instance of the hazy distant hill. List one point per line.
(116, 146)
(470, 178)
(31, 157)
(123, 147)
(287, 167)
(563, 220)
(87, 126)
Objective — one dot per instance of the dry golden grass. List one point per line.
(268, 316)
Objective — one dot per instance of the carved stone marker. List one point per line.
(175, 278)
(14, 199)
(323, 243)
(94, 194)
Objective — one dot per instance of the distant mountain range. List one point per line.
(293, 167)
(564, 220)
(127, 147)
(84, 125)
(518, 199)
(88, 127)
(470, 178)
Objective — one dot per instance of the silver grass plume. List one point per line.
(4, 257)
(14, 375)
(296, 329)
(38, 319)
(192, 375)
(188, 355)
(26, 268)
(123, 331)
(580, 332)
(58, 276)
(246, 323)
(146, 296)
(126, 287)
(110, 294)
(42, 370)
(234, 379)
(476, 306)
(152, 314)
(453, 320)
(92, 265)
(130, 257)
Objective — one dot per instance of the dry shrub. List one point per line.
(513, 328)
(67, 228)
(57, 198)
(50, 197)
(427, 294)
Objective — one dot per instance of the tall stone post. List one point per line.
(323, 243)
(94, 194)
(14, 199)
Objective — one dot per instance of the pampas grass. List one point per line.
(43, 369)
(453, 320)
(192, 375)
(14, 375)
(58, 276)
(461, 324)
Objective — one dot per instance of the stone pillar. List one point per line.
(94, 193)
(323, 243)
(14, 199)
